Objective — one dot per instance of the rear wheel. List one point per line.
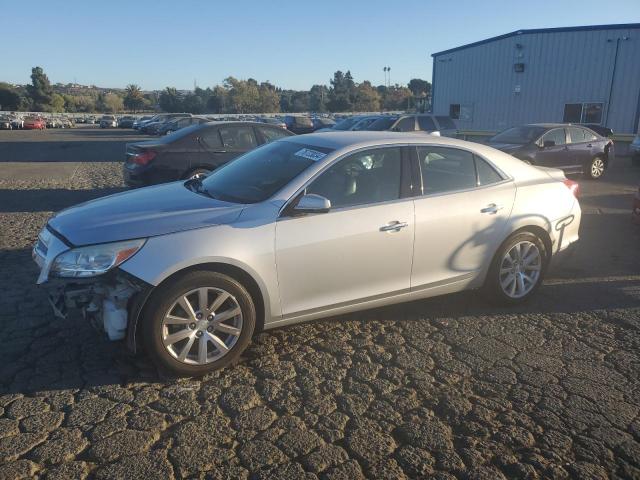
(596, 168)
(199, 323)
(517, 269)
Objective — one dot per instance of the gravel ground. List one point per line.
(443, 388)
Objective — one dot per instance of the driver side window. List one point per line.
(371, 176)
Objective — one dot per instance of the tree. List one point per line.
(243, 94)
(170, 100)
(57, 103)
(269, 98)
(40, 90)
(133, 99)
(113, 103)
(193, 103)
(419, 87)
(318, 98)
(342, 93)
(9, 97)
(217, 102)
(397, 98)
(367, 98)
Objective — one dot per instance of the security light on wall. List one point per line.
(518, 67)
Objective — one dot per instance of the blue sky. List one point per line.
(293, 44)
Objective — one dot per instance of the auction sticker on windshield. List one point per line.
(310, 154)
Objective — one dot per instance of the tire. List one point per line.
(197, 172)
(497, 277)
(595, 168)
(164, 317)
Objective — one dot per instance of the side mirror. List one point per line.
(549, 143)
(312, 203)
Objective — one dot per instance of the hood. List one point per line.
(506, 147)
(145, 212)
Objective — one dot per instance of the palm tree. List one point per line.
(133, 99)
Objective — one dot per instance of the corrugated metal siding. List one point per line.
(560, 68)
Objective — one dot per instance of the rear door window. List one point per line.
(577, 135)
(426, 123)
(486, 173)
(407, 124)
(272, 134)
(210, 137)
(446, 169)
(238, 138)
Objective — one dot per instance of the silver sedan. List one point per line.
(302, 228)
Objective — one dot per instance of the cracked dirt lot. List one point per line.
(443, 388)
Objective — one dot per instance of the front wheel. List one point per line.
(517, 269)
(197, 173)
(199, 323)
(596, 168)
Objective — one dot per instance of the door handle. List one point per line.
(491, 209)
(394, 226)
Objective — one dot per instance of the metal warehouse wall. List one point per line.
(560, 67)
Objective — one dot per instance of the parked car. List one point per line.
(5, 123)
(363, 124)
(194, 151)
(108, 121)
(152, 127)
(137, 123)
(427, 123)
(34, 123)
(303, 228)
(17, 122)
(126, 122)
(634, 150)
(274, 121)
(572, 148)
(52, 122)
(298, 124)
(322, 122)
(343, 124)
(178, 123)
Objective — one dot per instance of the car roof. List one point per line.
(338, 140)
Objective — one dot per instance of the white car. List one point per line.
(108, 121)
(305, 227)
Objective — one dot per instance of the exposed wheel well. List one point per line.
(238, 274)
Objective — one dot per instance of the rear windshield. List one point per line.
(346, 124)
(382, 124)
(303, 121)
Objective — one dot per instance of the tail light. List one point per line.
(573, 186)
(142, 158)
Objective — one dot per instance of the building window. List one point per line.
(583, 113)
(454, 111)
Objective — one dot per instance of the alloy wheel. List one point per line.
(520, 269)
(597, 167)
(202, 326)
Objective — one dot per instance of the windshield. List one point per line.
(258, 174)
(518, 135)
(346, 124)
(382, 124)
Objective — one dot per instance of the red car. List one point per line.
(635, 208)
(34, 123)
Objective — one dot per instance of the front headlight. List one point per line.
(94, 260)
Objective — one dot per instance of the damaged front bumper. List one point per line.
(111, 302)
